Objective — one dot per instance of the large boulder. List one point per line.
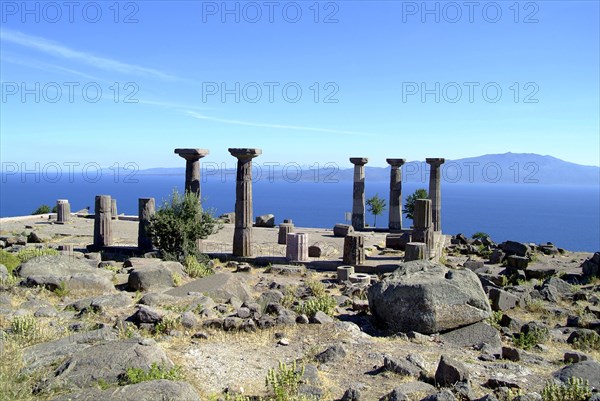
(145, 391)
(221, 287)
(515, 248)
(426, 297)
(591, 267)
(150, 279)
(108, 362)
(266, 220)
(341, 230)
(586, 370)
(75, 275)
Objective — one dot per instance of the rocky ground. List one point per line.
(489, 321)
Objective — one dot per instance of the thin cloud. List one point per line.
(275, 126)
(58, 50)
(45, 66)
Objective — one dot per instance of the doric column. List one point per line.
(395, 219)
(242, 236)
(423, 227)
(192, 168)
(354, 250)
(63, 211)
(435, 193)
(102, 222)
(297, 247)
(146, 209)
(358, 197)
(284, 230)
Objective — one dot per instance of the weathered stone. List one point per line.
(515, 248)
(344, 273)
(146, 314)
(450, 371)
(297, 247)
(145, 391)
(428, 298)
(284, 230)
(444, 395)
(334, 353)
(402, 367)
(265, 220)
(220, 287)
(512, 354)
(395, 212)
(242, 236)
(150, 279)
(586, 370)
(517, 262)
(341, 230)
(415, 251)
(103, 222)
(108, 361)
(146, 209)
(322, 250)
(358, 197)
(351, 394)
(502, 300)
(591, 267)
(497, 256)
(192, 169)
(574, 357)
(474, 335)
(398, 241)
(321, 318)
(435, 193)
(354, 250)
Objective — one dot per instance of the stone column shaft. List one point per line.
(297, 247)
(435, 193)
(242, 236)
(358, 196)
(395, 216)
(103, 222)
(146, 209)
(354, 250)
(284, 230)
(63, 211)
(423, 226)
(192, 168)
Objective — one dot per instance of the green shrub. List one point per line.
(179, 223)
(494, 319)
(480, 235)
(409, 205)
(284, 381)
(27, 254)
(533, 337)
(61, 291)
(156, 372)
(317, 289)
(575, 389)
(166, 325)
(43, 209)
(310, 307)
(195, 268)
(10, 260)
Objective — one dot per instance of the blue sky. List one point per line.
(361, 67)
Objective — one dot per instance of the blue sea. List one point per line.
(568, 216)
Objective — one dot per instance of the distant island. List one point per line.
(506, 168)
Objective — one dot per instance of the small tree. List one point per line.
(409, 207)
(376, 206)
(179, 223)
(43, 209)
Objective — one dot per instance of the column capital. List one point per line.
(245, 153)
(359, 161)
(191, 154)
(396, 162)
(435, 161)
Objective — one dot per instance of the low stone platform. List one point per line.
(265, 249)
